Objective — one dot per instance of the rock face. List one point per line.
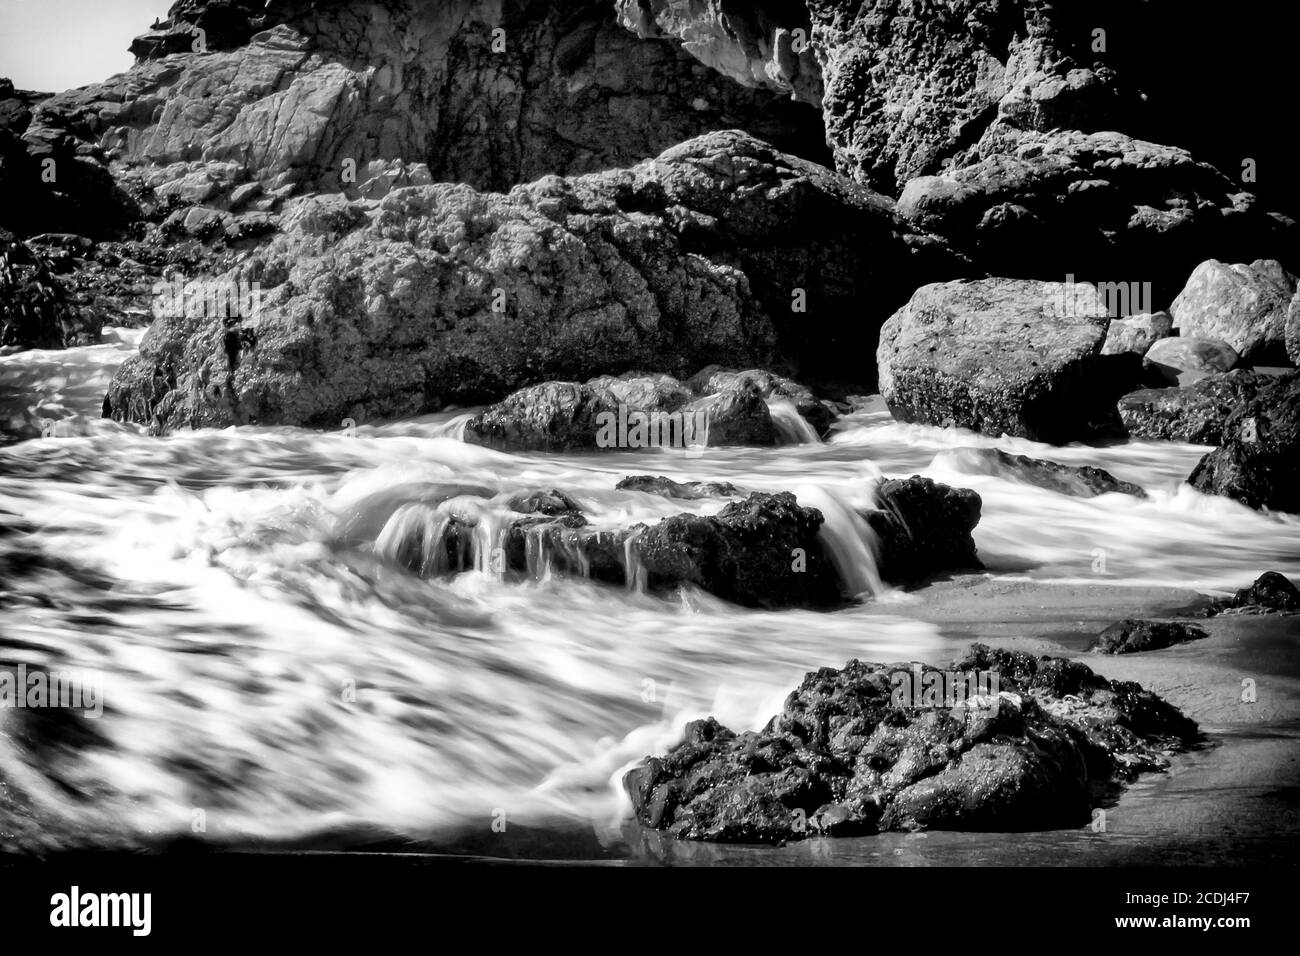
(997, 356)
(1133, 636)
(1258, 463)
(1270, 592)
(874, 747)
(1178, 360)
(1003, 123)
(1194, 413)
(924, 528)
(329, 95)
(439, 293)
(1244, 305)
(1080, 481)
(1137, 333)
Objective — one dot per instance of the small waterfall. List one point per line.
(416, 537)
(635, 571)
(848, 540)
(792, 428)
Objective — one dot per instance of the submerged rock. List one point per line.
(1002, 741)
(688, 490)
(1133, 636)
(1270, 592)
(1194, 413)
(924, 529)
(1243, 305)
(1258, 463)
(1081, 481)
(999, 356)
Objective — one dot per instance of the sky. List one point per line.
(54, 45)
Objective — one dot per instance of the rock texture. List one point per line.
(850, 755)
(668, 488)
(1195, 413)
(923, 528)
(1137, 333)
(1244, 305)
(35, 307)
(1133, 636)
(1258, 463)
(998, 356)
(1079, 481)
(440, 293)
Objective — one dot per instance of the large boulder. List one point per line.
(1258, 463)
(1000, 741)
(1244, 305)
(440, 293)
(998, 356)
(1194, 413)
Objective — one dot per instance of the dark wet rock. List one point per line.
(924, 529)
(1194, 413)
(876, 747)
(734, 416)
(1133, 636)
(439, 294)
(1258, 463)
(550, 503)
(999, 356)
(762, 552)
(688, 490)
(36, 310)
(820, 414)
(1243, 305)
(1081, 481)
(1270, 592)
(1179, 360)
(1137, 333)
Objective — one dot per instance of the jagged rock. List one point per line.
(1194, 413)
(1242, 305)
(442, 294)
(1178, 360)
(998, 356)
(1137, 333)
(688, 490)
(923, 529)
(307, 95)
(863, 750)
(1270, 592)
(1258, 463)
(1133, 636)
(1292, 330)
(1081, 481)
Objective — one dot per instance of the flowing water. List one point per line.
(271, 666)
